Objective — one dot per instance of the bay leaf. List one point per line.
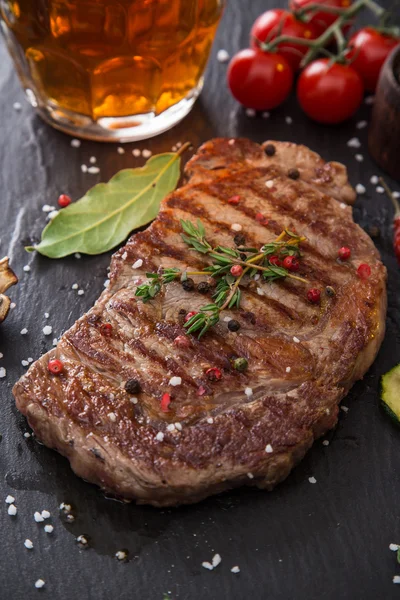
(108, 212)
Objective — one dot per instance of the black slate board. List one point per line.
(302, 541)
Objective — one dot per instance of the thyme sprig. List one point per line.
(227, 293)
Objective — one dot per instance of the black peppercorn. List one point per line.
(132, 386)
(270, 150)
(188, 285)
(243, 256)
(203, 287)
(293, 173)
(233, 325)
(239, 239)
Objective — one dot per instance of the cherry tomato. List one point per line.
(281, 22)
(322, 20)
(369, 48)
(329, 93)
(259, 80)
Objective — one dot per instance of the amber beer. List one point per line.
(107, 63)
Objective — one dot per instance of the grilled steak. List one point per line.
(103, 411)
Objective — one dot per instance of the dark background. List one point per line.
(302, 541)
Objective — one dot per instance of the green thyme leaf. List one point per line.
(108, 212)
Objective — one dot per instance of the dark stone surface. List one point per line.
(305, 542)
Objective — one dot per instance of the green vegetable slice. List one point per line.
(390, 393)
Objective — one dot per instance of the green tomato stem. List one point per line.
(315, 46)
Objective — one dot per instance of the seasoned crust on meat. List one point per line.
(303, 358)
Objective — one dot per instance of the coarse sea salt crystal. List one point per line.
(3, 372)
(84, 168)
(288, 369)
(342, 205)
(160, 436)
(49, 528)
(312, 480)
(52, 214)
(216, 560)
(396, 194)
(222, 56)
(248, 391)
(269, 183)
(210, 420)
(74, 286)
(137, 264)
(359, 157)
(360, 188)
(289, 120)
(136, 152)
(93, 170)
(396, 579)
(325, 442)
(10, 499)
(394, 547)
(171, 427)
(361, 124)
(265, 115)
(12, 510)
(39, 583)
(93, 160)
(134, 400)
(178, 426)
(380, 189)
(47, 330)
(344, 409)
(175, 381)
(207, 565)
(250, 475)
(354, 143)
(146, 153)
(296, 340)
(47, 208)
(120, 555)
(374, 179)
(369, 100)
(45, 514)
(121, 150)
(24, 363)
(28, 544)
(235, 569)
(27, 434)
(46, 315)
(124, 256)
(80, 292)
(75, 143)
(268, 449)
(38, 517)
(231, 142)
(112, 416)
(236, 227)
(26, 268)
(17, 106)
(250, 112)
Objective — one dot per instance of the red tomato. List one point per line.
(329, 93)
(369, 50)
(321, 20)
(259, 80)
(281, 22)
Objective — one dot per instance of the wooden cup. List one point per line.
(384, 131)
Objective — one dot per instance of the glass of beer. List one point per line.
(111, 70)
